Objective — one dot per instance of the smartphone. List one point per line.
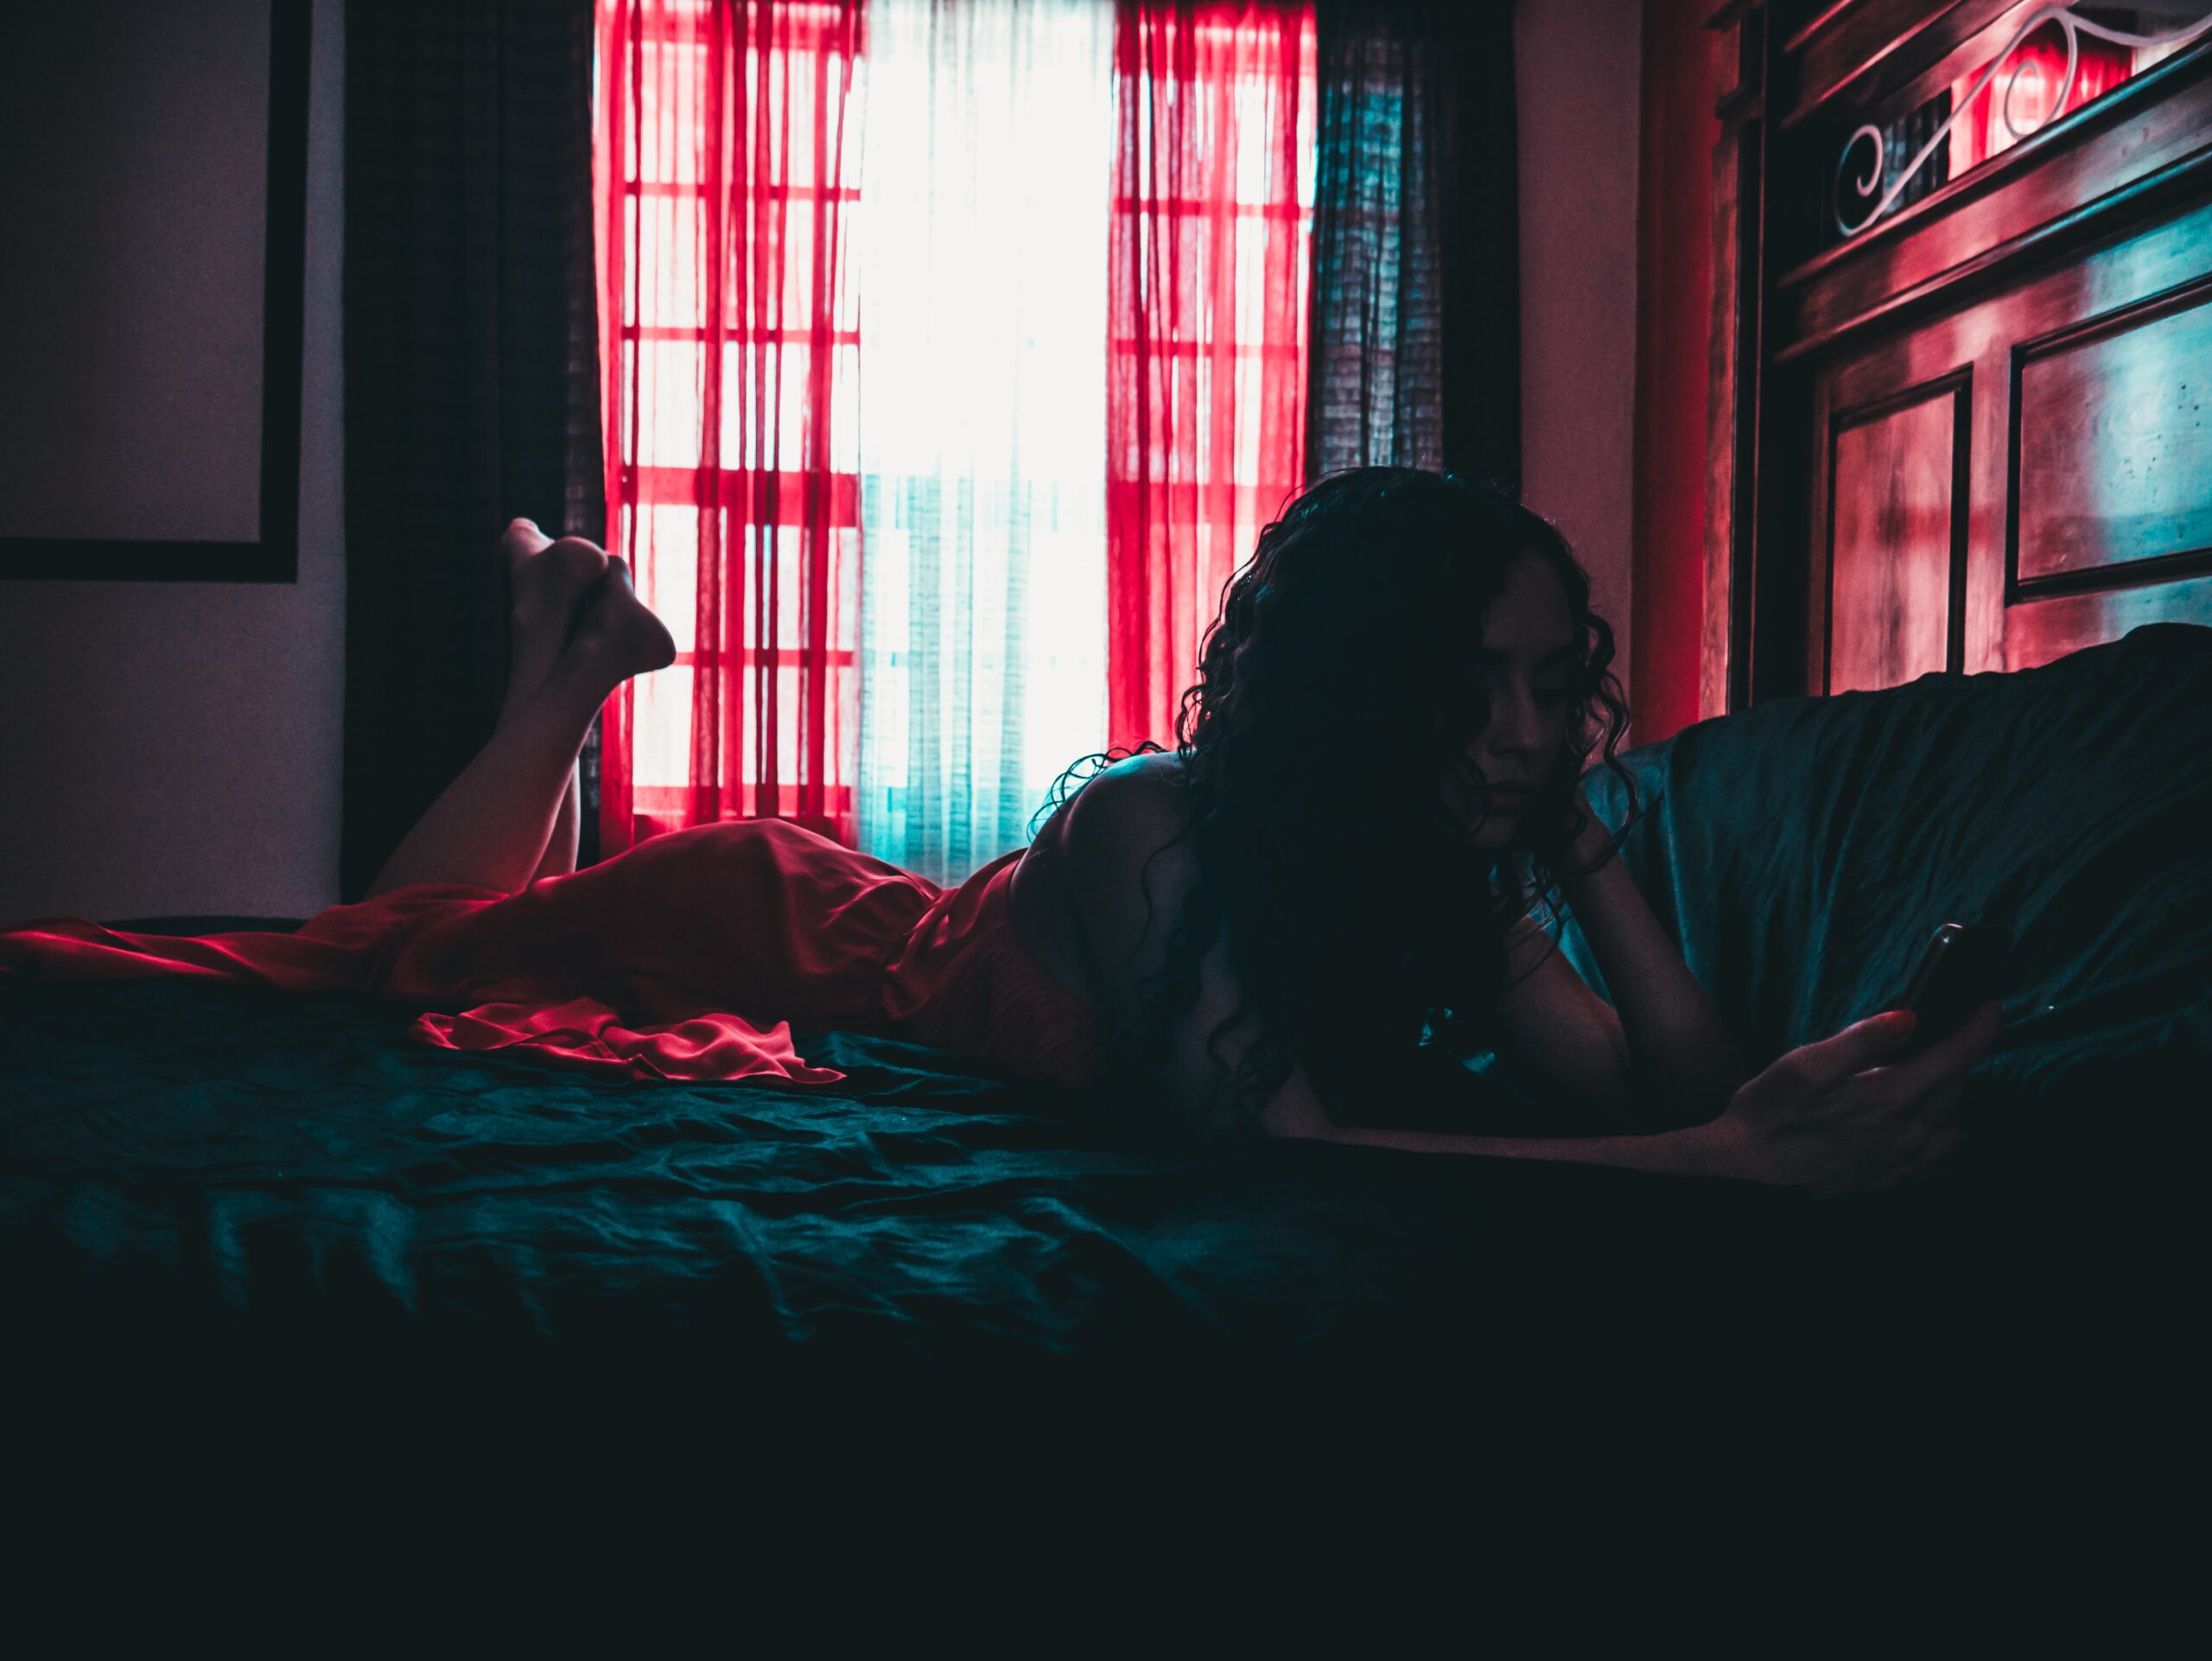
(1961, 969)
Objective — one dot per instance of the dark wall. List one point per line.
(1578, 71)
(174, 748)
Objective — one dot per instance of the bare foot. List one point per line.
(616, 633)
(547, 583)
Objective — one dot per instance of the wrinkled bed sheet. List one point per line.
(293, 1159)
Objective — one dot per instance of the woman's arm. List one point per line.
(1672, 1043)
(1834, 1117)
(1297, 1110)
(1562, 1029)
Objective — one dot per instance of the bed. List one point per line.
(194, 1176)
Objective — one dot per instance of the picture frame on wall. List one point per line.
(151, 290)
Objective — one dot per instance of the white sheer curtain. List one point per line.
(981, 266)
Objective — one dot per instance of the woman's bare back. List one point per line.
(1041, 899)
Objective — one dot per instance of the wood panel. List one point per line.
(2072, 271)
(1857, 55)
(2163, 271)
(2037, 631)
(2111, 457)
(2127, 157)
(1897, 508)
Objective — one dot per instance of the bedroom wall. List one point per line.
(1578, 71)
(174, 748)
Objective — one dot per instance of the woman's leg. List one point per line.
(491, 827)
(548, 580)
(560, 859)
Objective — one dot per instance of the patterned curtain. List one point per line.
(724, 178)
(1415, 322)
(981, 261)
(1212, 216)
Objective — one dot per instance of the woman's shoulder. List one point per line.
(1154, 769)
(1126, 814)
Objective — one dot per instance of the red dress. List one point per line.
(690, 956)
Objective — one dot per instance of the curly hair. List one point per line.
(1337, 683)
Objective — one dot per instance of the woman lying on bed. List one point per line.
(1374, 797)
(1376, 785)
(1376, 790)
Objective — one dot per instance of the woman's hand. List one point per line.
(1845, 1114)
(1570, 855)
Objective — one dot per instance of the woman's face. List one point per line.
(1531, 660)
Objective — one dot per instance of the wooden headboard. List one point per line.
(1962, 416)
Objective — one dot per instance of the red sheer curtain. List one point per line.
(1206, 369)
(2039, 68)
(725, 176)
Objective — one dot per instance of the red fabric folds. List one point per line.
(724, 176)
(1207, 365)
(690, 957)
